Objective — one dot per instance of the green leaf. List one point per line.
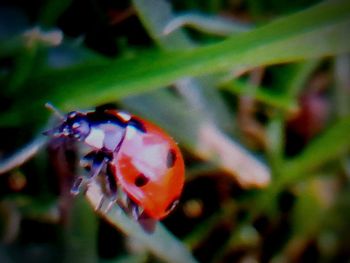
(316, 32)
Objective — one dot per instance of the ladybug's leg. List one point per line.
(75, 190)
(147, 223)
(111, 188)
(133, 209)
(93, 162)
(111, 182)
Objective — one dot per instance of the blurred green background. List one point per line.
(256, 93)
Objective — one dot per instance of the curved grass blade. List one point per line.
(288, 39)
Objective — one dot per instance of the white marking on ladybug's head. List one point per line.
(95, 138)
(124, 115)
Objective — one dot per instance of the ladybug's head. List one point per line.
(74, 125)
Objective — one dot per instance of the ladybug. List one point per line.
(135, 155)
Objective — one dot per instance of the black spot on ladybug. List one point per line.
(137, 124)
(171, 158)
(141, 180)
(172, 205)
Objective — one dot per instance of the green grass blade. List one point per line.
(289, 39)
(316, 32)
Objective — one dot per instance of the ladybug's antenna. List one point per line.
(55, 111)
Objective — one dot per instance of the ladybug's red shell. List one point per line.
(150, 168)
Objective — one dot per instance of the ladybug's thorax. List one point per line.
(107, 131)
(107, 136)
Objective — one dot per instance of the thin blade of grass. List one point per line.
(275, 43)
(288, 39)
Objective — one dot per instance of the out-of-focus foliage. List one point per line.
(256, 93)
